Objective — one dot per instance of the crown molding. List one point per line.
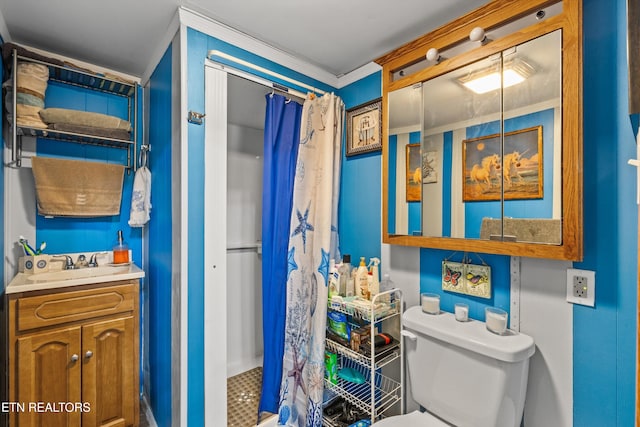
(172, 29)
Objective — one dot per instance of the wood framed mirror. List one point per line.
(499, 169)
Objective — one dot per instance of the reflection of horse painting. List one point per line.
(417, 176)
(485, 171)
(511, 165)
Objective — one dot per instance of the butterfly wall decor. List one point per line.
(466, 278)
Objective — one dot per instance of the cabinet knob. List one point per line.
(74, 358)
(88, 354)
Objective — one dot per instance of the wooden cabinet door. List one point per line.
(48, 366)
(110, 373)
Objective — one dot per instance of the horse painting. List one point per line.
(511, 164)
(484, 172)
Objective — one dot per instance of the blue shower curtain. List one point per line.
(281, 141)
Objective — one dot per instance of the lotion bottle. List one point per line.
(362, 280)
(120, 250)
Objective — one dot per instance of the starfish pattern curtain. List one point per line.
(312, 237)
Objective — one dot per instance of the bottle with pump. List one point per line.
(120, 251)
(374, 287)
(362, 280)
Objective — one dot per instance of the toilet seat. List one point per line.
(414, 419)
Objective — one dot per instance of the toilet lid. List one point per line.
(414, 419)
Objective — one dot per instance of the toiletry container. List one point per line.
(120, 250)
(386, 285)
(362, 280)
(374, 286)
(345, 275)
(333, 280)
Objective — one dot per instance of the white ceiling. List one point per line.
(336, 35)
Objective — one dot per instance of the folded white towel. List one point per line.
(141, 198)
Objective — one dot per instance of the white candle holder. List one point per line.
(496, 320)
(461, 312)
(430, 303)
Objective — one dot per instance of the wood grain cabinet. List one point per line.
(74, 356)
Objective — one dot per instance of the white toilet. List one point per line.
(462, 374)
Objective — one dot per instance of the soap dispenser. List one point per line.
(120, 251)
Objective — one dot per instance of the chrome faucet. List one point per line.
(68, 265)
(93, 261)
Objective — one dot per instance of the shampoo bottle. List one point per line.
(362, 281)
(120, 250)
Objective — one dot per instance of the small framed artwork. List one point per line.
(517, 170)
(364, 132)
(466, 278)
(429, 162)
(414, 173)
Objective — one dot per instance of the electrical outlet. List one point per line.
(581, 286)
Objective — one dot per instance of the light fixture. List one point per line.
(477, 35)
(433, 55)
(483, 81)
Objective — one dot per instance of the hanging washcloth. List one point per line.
(141, 198)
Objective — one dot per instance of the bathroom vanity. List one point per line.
(73, 347)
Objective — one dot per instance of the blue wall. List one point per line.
(198, 44)
(359, 214)
(160, 245)
(604, 337)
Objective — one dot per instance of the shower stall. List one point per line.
(245, 136)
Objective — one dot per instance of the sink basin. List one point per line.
(81, 273)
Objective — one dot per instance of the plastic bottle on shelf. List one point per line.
(333, 280)
(345, 274)
(387, 285)
(374, 287)
(362, 281)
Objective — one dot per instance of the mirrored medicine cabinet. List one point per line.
(483, 139)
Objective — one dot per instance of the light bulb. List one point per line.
(433, 54)
(477, 34)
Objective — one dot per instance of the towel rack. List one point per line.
(69, 75)
(245, 246)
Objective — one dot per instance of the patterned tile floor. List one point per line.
(243, 397)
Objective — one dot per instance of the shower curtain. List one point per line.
(281, 140)
(312, 243)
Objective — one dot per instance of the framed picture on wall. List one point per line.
(364, 133)
(518, 168)
(414, 173)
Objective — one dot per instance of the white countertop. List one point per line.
(61, 279)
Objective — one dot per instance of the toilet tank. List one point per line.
(463, 373)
